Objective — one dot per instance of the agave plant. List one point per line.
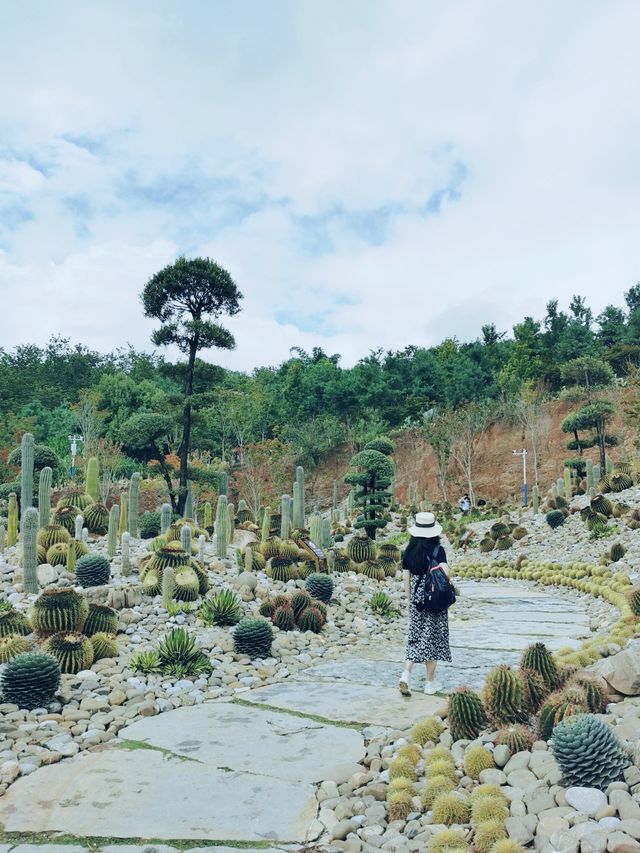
(381, 604)
(179, 655)
(223, 608)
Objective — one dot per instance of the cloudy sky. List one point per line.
(371, 172)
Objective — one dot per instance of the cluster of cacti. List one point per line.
(616, 481)
(299, 610)
(112, 531)
(30, 680)
(93, 570)
(588, 752)
(253, 637)
(26, 474)
(221, 527)
(91, 478)
(58, 610)
(72, 650)
(465, 714)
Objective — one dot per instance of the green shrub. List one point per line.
(149, 524)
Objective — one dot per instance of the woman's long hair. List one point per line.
(419, 552)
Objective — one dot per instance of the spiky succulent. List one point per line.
(96, 519)
(267, 609)
(451, 808)
(503, 696)
(399, 804)
(104, 646)
(466, 714)
(477, 759)
(179, 655)
(488, 791)
(76, 500)
(517, 737)
(300, 600)
(253, 637)
(402, 768)
(12, 645)
(487, 544)
(498, 529)
(594, 692)
(151, 582)
(601, 505)
(556, 707)
(12, 621)
(52, 534)
(411, 751)
(30, 680)
(504, 543)
(507, 845)
(390, 551)
(72, 650)
(538, 658)
(93, 570)
(535, 689)
(360, 549)
(59, 610)
(280, 569)
(319, 586)
(441, 767)
(57, 554)
(311, 619)
(343, 562)
(101, 619)
(588, 752)
(258, 561)
(223, 608)
(519, 532)
(381, 604)
(425, 730)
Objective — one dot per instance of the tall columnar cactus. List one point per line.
(185, 538)
(536, 500)
(325, 533)
(221, 527)
(79, 524)
(231, 523)
(26, 474)
(3, 538)
(188, 504)
(112, 532)
(597, 474)
(466, 714)
(133, 505)
(168, 585)
(223, 483)
(12, 520)
(412, 494)
(560, 486)
(538, 658)
(248, 559)
(608, 466)
(208, 516)
(299, 510)
(29, 544)
(590, 482)
(71, 557)
(125, 543)
(44, 496)
(568, 489)
(124, 515)
(201, 541)
(285, 518)
(315, 527)
(265, 527)
(165, 518)
(91, 485)
(334, 505)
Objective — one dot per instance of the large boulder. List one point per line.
(622, 671)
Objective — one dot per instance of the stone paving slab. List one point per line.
(136, 848)
(43, 848)
(143, 793)
(348, 702)
(222, 735)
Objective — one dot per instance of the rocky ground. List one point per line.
(314, 686)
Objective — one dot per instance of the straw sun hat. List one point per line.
(425, 526)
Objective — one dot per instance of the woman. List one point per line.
(428, 635)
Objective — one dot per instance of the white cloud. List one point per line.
(275, 136)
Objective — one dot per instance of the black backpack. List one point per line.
(433, 592)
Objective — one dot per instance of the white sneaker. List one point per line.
(432, 687)
(404, 684)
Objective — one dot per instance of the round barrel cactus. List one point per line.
(253, 637)
(319, 586)
(52, 534)
(284, 618)
(59, 610)
(555, 518)
(539, 658)
(311, 620)
(93, 570)
(96, 519)
(12, 621)
(504, 699)
(361, 548)
(100, 620)
(588, 752)
(104, 646)
(466, 714)
(30, 680)
(12, 645)
(72, 650)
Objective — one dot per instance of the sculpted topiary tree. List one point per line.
(187, 297)
(584, 377)
(371, 476)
